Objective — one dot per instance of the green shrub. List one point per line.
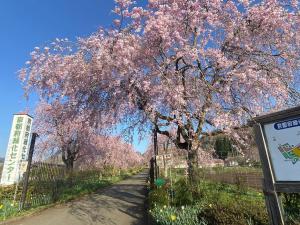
(291, 205)
(108, 171)
(183, 193)
(217, 203)
(223, 147)
(225, 211)
(158, 197)
(7, 209)
(7, 192)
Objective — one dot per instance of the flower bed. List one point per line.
(206, 203)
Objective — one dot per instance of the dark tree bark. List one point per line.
(69, 154)
(192, 165)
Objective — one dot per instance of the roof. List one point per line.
(279, 115)
(23, 114)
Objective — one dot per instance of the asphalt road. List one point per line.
(120, 204)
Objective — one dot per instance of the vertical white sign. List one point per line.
(283, 140)
(17, 149)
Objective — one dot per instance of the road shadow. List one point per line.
(123, 200)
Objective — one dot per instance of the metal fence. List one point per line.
(242, 176)
(44, 183)
(49, 183)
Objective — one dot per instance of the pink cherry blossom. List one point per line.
(195, 66)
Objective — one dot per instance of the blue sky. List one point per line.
(30, 23)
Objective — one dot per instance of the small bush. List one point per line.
(7, 192)
(291, 203)
(225, 212)
(158, 197)
(7, 209)
(183, 193)
(223, 147)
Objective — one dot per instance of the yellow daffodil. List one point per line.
(165, 206)
(296, 151)
(173, 217)
(1, 206)
(210, 205)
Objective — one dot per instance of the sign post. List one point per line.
(27, 173)
(278, 140)
(17, 149)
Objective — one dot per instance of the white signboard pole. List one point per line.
(17, 149)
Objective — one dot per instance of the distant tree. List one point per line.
(62, 133)
(223, 147)
(78, 142)
(112, 152)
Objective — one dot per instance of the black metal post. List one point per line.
(156, 172)
(152, 172)
(27, 173)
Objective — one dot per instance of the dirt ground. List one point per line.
(120, 204)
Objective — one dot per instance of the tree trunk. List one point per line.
(69, 163)
(192, 165)
(69, 171)
(69, 166)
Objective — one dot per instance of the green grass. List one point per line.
(207, 203)
(87, 188)
(170, 215)
(215, 203)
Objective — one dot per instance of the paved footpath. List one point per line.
(120, 204)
